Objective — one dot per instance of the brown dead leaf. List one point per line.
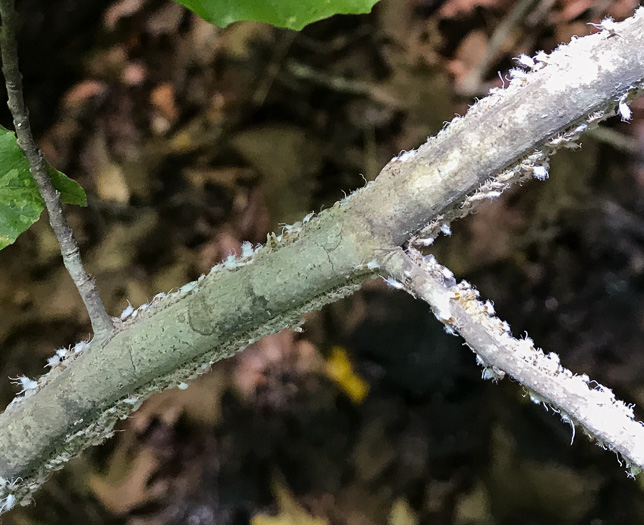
(125, 486)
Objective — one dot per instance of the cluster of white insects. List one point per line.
(63, 356)
(7, 498)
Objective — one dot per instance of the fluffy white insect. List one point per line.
(541, 56)
(230, 262)
(607, 24)
(492, 373)
(525, 61)
(449, 330)
(623, 110)
(26, 383)
(127, 311)
(53, 361)
(182, 386)
(80, 346)
(187, 288)
(308, 217)
(405, 156)
(8, 503)
(488, 306)
(446, 229)
(426, 241)
(540, 173)
(517, 73)
(393, 283)
(247, 249)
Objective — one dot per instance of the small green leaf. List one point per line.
(20, 202)
(70, 191)
(293, 14)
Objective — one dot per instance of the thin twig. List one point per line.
(101, 321)
(577, 399)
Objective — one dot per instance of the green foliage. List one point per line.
(293, 14)
(20, 201)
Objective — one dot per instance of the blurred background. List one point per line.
(190, 140)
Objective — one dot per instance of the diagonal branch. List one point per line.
(504, 137)
(101, 321)
(577, 399)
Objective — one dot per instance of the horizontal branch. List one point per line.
(180, 335)
(578, 399)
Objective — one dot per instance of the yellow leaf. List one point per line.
(290, 512)
(340, 370)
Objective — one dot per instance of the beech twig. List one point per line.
(101, 321)
(577, 399)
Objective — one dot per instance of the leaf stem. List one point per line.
(101, 321)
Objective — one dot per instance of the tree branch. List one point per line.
(504, 137)
(578, 399)
(101, 321)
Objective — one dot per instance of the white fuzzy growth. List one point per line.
(607, 24)
(62, 353)
(446, 229)
(541, 56)
(449, 330)
(187, 288)
(492, 374)
(8, 503)
(624, 111)
(537, 399)
(427, 241)
(230, 262)
(488, 306)
(53, 361)
(373, 265)
(443, 309)
(127, 312)
(393, 283)
(518, 74)
(182, 386)
(580, 129)
(80, 346)
(540, 172)
(525, 61)
(247, 250)
(405, 156)
(526, 344)
(26, 383)
(308, 217)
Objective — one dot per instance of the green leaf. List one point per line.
(20, 202)
(293, 14)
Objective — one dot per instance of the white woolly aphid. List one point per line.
(230, 262)
(540, 172)
(127, 312)
(7, 503)
(26, 383)
(247, 249)
(624, 111)
(405, 156)
(393, 283)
